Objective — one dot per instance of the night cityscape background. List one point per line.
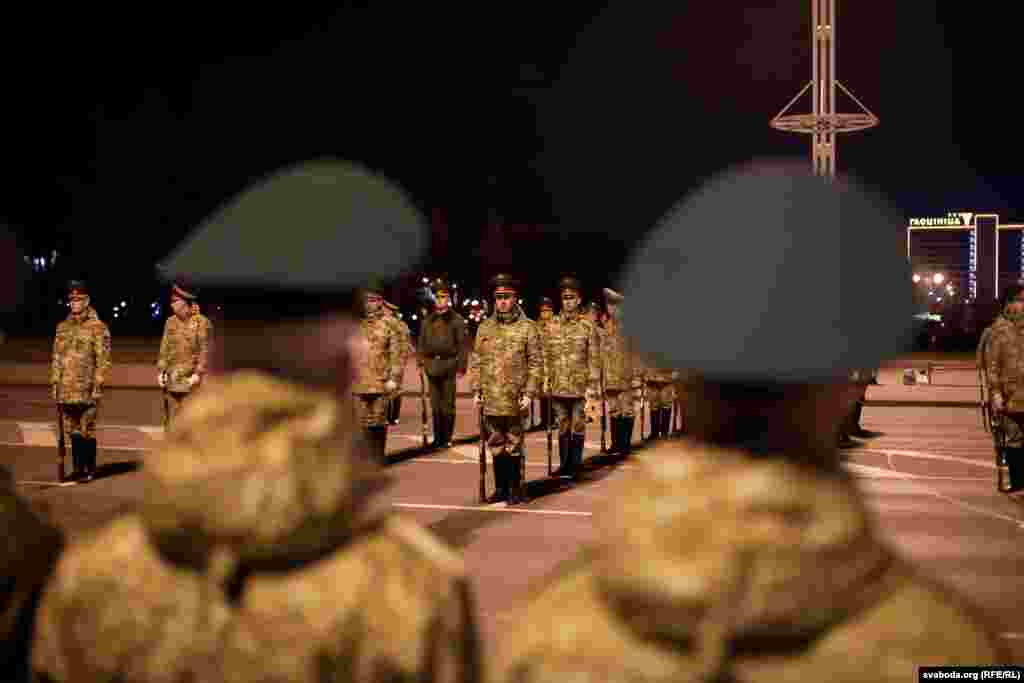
(535, 141)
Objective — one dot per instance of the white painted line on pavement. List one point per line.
(972, 508)
(52, 443)
(871, 472)
(929, 456)
(495, 507)
(149, 429)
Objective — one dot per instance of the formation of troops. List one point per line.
(262, 552)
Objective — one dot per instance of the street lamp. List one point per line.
(938, 278)
(917, 278)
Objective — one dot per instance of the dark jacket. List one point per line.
(442, 344)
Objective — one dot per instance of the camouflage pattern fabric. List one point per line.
(381, 357)
(620, 403)
(569, 415)
(405, 347)
(260, 553)
(81, 358)
(506, 362)
(185, 349)
(544, 329)
(660, 395)
(175, 401)
(713, 565)
(28, 554)
(370, 410)
(78, 418)
(1001, 350)
(573, 356)
(504, 435)
(620, 371)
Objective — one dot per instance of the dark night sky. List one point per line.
(126, 130)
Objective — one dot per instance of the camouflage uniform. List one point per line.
(544, 328)
(395, 406)
(1004, 375)
(381, 361)
(260, 553)
(715, 565)
(28, 555)
(184, 351)
(622, 382)
(79, 370)
(572, 353)
(660, 392)
(592, 406)
(505, 365)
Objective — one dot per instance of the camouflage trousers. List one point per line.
(622, 403)
(592, 409)
(370, 410)
(504, 434)
(660, 395)
(78, 418)
(568, 415)
(173, 403)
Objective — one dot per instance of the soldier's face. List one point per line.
(570, 301)
(504, 301)
(373, 303)
(546, 313)
(179, 306)
(79, 303)
(442, 302)
(613, 311)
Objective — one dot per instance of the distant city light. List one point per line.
(123, 304)
(917, 278)
(414, 317)
(938, 278)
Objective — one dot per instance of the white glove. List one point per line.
(524, 403)
(193, 380)
(390, 386)
(477, 399)
(998, 404)
(161, 379)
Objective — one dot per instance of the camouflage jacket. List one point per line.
(81, 358)
(714, 565)
(405, 335)
(572, 352)
(28, 554)
(382, 356)
(620, 371)
(544, 329)
(506, 362)
(185, 350)
(1003, 325)
(260, 554)
(653, 374)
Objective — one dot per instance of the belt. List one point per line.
(438, 357)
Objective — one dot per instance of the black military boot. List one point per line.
(396, 410)
(1015, 467)
(615, 447)
(564, 457)
(88, 460)
(449, 429)
(577, 456)
(438, 431)
(666, 422)
(516, 485)
(77, 458)
(501, 479)
(627, 436)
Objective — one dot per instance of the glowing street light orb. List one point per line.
(938, 278)
(917, 278)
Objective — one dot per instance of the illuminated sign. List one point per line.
(952, 219)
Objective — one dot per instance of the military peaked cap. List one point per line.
(792, 277)
(321, 227)
(504, 281)
(546, 301)
(1010, 293)
(373, 285)
(612, 297)
(569, 282)
(183, 288)
(440, 285)
(594, 306)
(79, 287)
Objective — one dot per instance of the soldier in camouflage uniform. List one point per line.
(745, 553)
(572, 351)
(622, 378)
(80, 368)
(262, 551)
(660, 392)
(547, 313)
(184, 350)
(504, 375)
(592, 406)
(379, 368)
(1004, 358)
(395, 406)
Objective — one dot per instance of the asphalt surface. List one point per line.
(929, 480)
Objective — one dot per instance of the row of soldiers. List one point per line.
(259, 551)
(1000, 359)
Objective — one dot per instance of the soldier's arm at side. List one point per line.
(594, 363)
(103, 361)
(474, 360)
(993, 352)
(462, 350)
(165, 348)
(205, 334)
(55, 362)
(534, 362)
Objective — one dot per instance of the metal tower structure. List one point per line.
(823, 123)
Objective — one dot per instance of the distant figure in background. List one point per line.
(442, 352)
(80, 369)
(184, 349)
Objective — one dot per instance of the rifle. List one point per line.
(999, 443)
(423, 405)
(549, 435)
(61, 448)
(604, 417)
(643, 400)
(483, 453)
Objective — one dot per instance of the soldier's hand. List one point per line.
(193, 380)
(998, 403)
(477, 399)
(97, 393)
(524, 402)
(53, 391)
(161, 379)
(390, 386)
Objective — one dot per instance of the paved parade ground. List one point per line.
(929, 480)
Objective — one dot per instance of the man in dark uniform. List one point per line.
(442, 353)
